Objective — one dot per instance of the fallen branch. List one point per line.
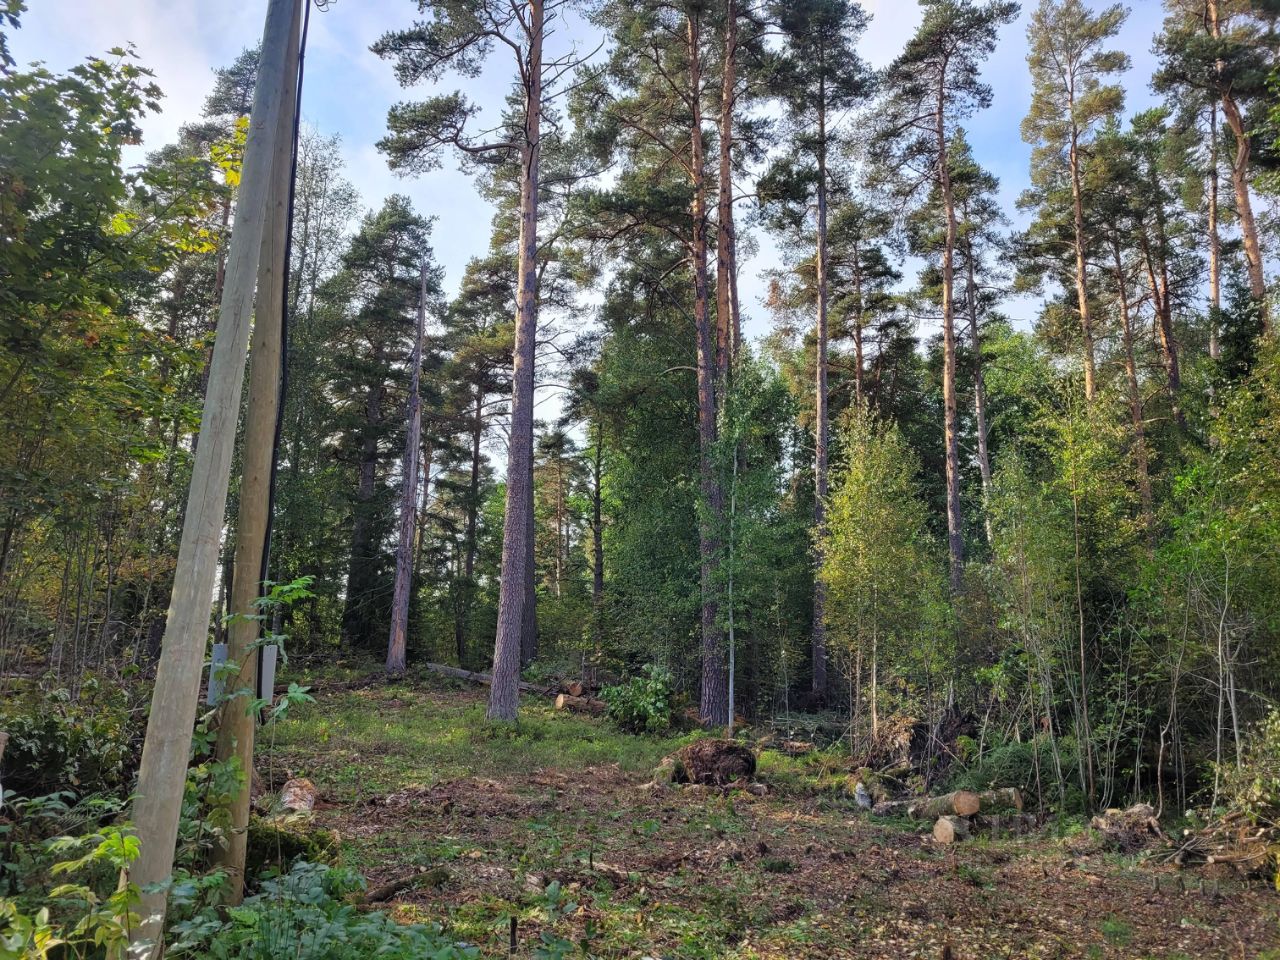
(457, 673)
(435, 875)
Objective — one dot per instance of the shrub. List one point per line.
(303, 915)
(88, 744)
(1013, 763)
(1253, 787)
(642, 704)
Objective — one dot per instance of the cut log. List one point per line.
(581, 704)
(950, 828)
(962, 803)
(299, 795)
(574, 688)
(894, 808)
(1002, 798)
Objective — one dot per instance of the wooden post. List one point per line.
(238, 717)
(163, 771)
(409, 499)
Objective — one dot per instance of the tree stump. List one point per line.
(714, 762)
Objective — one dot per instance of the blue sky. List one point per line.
(348, 91)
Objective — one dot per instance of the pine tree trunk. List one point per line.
(514, 618)
(714, 695)
(163, 773)
(821, 418)
(398, 640)
(1240, 181)
(597, 551)
(728, 333)
(1215, 241)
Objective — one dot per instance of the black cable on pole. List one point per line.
(265, 563)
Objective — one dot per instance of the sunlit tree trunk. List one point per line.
(163, 772)
(514, 600)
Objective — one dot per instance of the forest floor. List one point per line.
(548, 822)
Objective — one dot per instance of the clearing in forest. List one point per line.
(550, 823)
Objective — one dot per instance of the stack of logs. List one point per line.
(575, 698)
(959, 814)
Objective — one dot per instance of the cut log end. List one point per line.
(588, 705)
(950, 829)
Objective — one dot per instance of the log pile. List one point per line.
(1129, 830)
(1235, 841)
(961, 813)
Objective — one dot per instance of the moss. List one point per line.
(280, 842)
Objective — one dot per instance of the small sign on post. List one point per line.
(267, 672)
(216, 672)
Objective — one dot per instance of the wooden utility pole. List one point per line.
(409, 500)
(163, 773)
(238, 717)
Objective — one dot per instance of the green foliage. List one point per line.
(87, 741)
(74, 919)
(1252, 786)
(1028, 765)
(641, 704)
(307, 914)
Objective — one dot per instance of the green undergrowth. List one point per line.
(426, 730)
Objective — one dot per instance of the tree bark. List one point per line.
(955, 522)
(821, 417)
(714, 694)
(1215, 241)
(979, 386)
(398, 640)
(513, 595)
(1240, 181)
(462, 617)
(356, 620)
(1082, 286)
(728, 331)
(162, 776)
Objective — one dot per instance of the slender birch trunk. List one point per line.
(955, 521)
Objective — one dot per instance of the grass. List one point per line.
(546, 821)
(362, 742)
